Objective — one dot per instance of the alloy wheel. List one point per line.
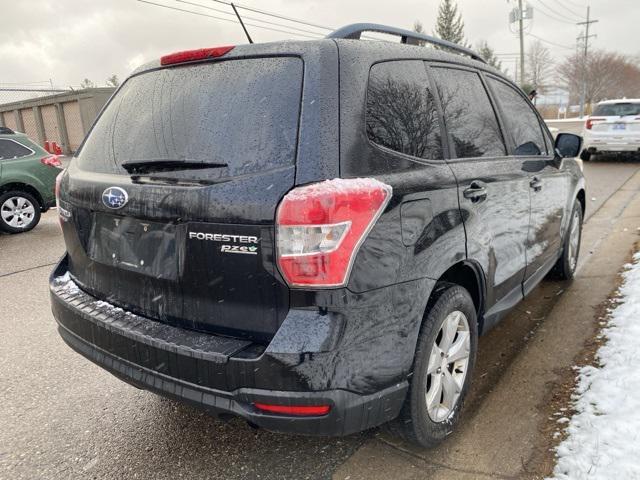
(448, 366)
(17, 212)
(574, 240)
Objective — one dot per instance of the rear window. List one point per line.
(468, 114)
(617, 109)
(12, 149)
(401, 113)
(243, 113)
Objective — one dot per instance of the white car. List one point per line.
(614, 127)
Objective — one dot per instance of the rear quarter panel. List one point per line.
(30, 171)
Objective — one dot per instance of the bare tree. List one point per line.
(607, 74)
(539, 66)
(86, 83)
(113, 81)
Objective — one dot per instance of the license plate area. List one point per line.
(136, 245)
(619, 126)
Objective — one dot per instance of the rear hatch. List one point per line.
(172, 197)
(617, 120)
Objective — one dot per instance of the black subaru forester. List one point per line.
(312, 235)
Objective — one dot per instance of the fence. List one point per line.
(61, 116)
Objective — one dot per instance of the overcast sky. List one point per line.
(68, 40)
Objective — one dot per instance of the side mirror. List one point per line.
(568, 145)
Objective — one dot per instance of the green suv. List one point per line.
(27, 181)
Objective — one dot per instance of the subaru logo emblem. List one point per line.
(114, 198)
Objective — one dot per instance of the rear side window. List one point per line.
(617, 109)
(401, 114)
(468, 114)
(11, 149)
(243, 113)
(522, 121)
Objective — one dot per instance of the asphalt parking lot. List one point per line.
(63, 417)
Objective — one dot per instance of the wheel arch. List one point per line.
(469, 275)
(23, 187)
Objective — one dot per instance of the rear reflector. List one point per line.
(295, 410)
(51, 161)
(193, 55)
(320, 228)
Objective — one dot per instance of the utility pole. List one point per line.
(583, 93)
(521, 29)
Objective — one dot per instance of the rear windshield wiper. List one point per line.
(168, 165)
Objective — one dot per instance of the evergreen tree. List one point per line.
(418, 28)
(449, 24)
(489, 54)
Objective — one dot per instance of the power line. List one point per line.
(227, 19)
(575, 4)
(549, 42)
(249, 18)
(275, 15)
(579, 15)
(560, 14)
(552, 17)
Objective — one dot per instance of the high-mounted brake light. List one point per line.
(294, 410)
(194, 55)
(591, 121)
(320, 228)
(51, 161)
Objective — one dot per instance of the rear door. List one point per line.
(173, 194)
(548, 181)
(493, 187)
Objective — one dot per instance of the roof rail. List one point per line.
(6, 131)
(355, 30)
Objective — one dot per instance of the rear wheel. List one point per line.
(565, 268)
(585, 155)
(444, 361)
(19, 212)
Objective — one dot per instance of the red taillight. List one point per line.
(320, 228)
(295, 410)
(193, 55)
(590, 122)
(51, 161)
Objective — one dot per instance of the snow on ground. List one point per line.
(604, 435)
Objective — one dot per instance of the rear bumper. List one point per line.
(597, 143)
(194, 367)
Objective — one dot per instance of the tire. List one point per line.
(565, 267)
(427, 424)
(585, 156)
(28, 209)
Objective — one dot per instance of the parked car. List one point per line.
(27, 180)
(614, 128)
(312, 235)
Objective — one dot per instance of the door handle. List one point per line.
(536, 184)
(476, 192)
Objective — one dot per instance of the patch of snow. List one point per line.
(603, 437)
(65, 284)
(107, 307)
